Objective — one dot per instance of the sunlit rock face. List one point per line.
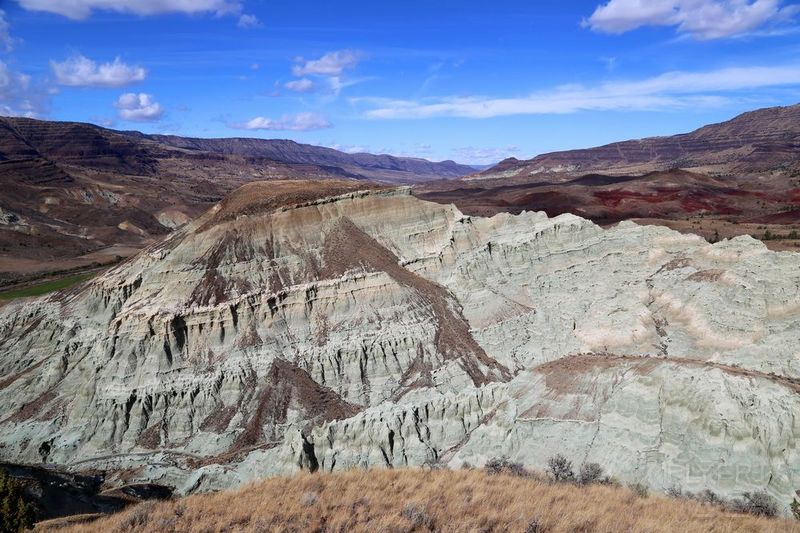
(324, 325)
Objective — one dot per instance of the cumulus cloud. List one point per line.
(82, 9)
(138, 107)
(249, 22)
(330, 64)
(702, 19)
(17, 96)
(303, 85)
(5, 36)
(300, 122)
(672, 90)
(329, 71)
(80, 71)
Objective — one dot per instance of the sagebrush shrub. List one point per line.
(504, 466)
(418, 516)
(675, 491)
(709, 497)
(590, 473)
(756, 503)
(533, 527)
(639, 489)
(560, 469)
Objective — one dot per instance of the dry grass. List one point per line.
(423, 500)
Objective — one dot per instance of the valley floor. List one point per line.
(21, 272)
(44, 287)
(426, 500)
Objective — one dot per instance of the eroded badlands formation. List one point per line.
(316, 325)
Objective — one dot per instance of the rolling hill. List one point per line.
(737, 177)
(76, 194)
(761, 141)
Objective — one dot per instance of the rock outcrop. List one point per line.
(324, 325)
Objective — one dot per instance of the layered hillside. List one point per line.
(765, 140)
(321, 326)
(76, 194)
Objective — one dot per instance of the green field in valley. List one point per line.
(45, 287)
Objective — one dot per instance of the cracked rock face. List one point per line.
(303, 325)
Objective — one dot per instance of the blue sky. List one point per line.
(470, 81)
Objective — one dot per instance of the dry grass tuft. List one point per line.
(428, 500)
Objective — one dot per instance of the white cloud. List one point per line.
(330, 64)
(300, 122)
(347, 148)
(610, 62)
(249, 22)
(102, 121)
(418, 150)
(672, 90)
(702, 19)
(82, 9)
(17, 96)
(138, 107)
(337, 83)
(303, 85)
(483, 156)
(5, 36)
(80, 71)
(329, 68)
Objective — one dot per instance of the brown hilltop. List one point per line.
(264, 197)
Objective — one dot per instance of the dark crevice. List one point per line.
(309, 455)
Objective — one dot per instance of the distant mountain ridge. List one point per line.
(32, 138)
(763, 140)
(291, 152)
(73, 189)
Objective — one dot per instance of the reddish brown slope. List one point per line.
(715, 207)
